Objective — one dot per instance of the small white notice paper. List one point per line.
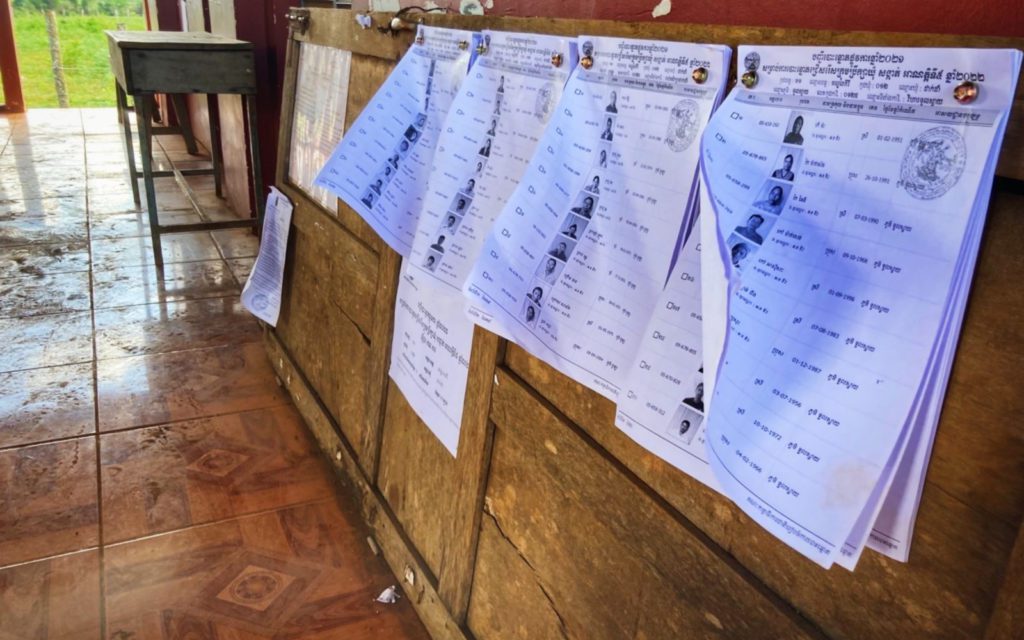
(262, 292)
(430, 352)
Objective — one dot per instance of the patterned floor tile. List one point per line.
(300, 572)
(200, 471)
(33, 295)
(44, 259)
(45, 341)
(48, 500)
(125, 286)
(173, 326)
(151, 390)
(57, 598)
(46, 404)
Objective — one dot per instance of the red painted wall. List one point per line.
(971, 17)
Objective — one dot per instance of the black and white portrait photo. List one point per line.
(470, 186)
(602, 159)
(438, 245)
(561, 248)
(697, 399)
(786, 165)
(751, 230)
(606, 133)
(432, 260)
(573, 227)
(460, 205)
(773, 197)
(793, 131)
(613, 106)
(739, 250)
(684, 425)
(585, 205)
(485, 150)
(450, 224)
(594, 186)
(536, 294)
(530, 314)
(369, 198)
(549, 270)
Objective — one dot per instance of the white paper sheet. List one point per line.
(663, 405)
(488, 138)
(430, 353)
(381, 165)
(318, 121)
(574, 263)
(502, 106)
(846, 192)
(262, 292)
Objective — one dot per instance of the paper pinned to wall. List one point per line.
(262, 292)
(487, 139)
(662, 406)
(318, 120)
(846, 231)
(381, 165)
(430, 353)
(574, 263)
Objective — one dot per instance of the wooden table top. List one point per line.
(198, 40)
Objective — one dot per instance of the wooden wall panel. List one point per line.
(601, 546)
(417, 477)
(586, 535)
(953, 577)
(327, 313)
(508, 599)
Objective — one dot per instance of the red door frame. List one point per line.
(14, 102)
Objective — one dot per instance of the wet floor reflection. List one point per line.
(156, 384)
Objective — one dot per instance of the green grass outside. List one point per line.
(83, 50)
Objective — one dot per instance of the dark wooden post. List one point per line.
(13, 100)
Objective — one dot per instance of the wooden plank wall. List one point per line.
(551, 523)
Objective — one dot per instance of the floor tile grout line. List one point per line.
(119, 306)
(121, 430)
(174, 423)
(46, 441)
(330, 497)
(231, 294)
(96, 409)
(141, 355)
(57, 556)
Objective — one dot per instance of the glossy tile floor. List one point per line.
(154, 480)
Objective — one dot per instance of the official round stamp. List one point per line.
(260, 302)
(545, 103)
(683, 125)
(933, 163)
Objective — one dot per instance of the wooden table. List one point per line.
(173, 62)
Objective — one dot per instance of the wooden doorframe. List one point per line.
(14, 102)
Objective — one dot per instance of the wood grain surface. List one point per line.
(552, 523)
